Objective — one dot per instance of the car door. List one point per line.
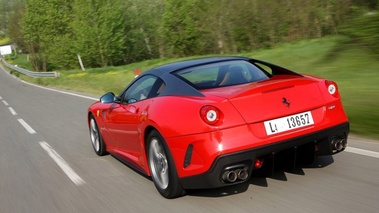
(128, 116)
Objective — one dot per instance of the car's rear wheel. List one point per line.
(96, 138)
(162, 167)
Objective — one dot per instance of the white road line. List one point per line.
(26, 126)
(63, 92)
(62, 164)
(12, 111)
(362, 152)
(5, 103)
(1, 98)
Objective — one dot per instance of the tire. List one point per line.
(96, 138)
(162, 167)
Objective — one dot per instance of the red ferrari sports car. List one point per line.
(214, 122)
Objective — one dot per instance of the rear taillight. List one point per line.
(332, 88)
(211, 115)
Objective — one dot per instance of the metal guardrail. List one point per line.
(31, 73)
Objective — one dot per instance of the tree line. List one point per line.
(55, 33)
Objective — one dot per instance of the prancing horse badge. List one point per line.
(286, 102)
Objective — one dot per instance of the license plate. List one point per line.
(288, 123)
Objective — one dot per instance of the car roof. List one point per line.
(177, 86)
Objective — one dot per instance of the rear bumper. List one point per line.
(308, 146)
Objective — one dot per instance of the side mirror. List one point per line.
(108, 98)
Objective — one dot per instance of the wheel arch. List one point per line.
(174, 189)
(89, 116)
(147, 131)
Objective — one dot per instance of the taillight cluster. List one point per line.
(211, 115)
(332, 88)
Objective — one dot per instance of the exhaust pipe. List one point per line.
(339, 144)
(242, 174)
(235, 173)
(229, 176)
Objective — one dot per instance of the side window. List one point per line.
(140, 89)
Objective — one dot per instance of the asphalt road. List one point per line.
(47, 164)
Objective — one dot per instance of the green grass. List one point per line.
(354, 68)
(19, 60)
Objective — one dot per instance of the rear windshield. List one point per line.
(222, 74)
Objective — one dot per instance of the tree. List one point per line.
(16, 11)
(58, 50)
(143, 37)
(114, 32)
(99, 32)
(4, 8)
(180, 27)
(44, 25)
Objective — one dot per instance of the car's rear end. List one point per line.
(288, 107)
(282, 121)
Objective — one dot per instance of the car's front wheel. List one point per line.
(96, 138)
(162, 168)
